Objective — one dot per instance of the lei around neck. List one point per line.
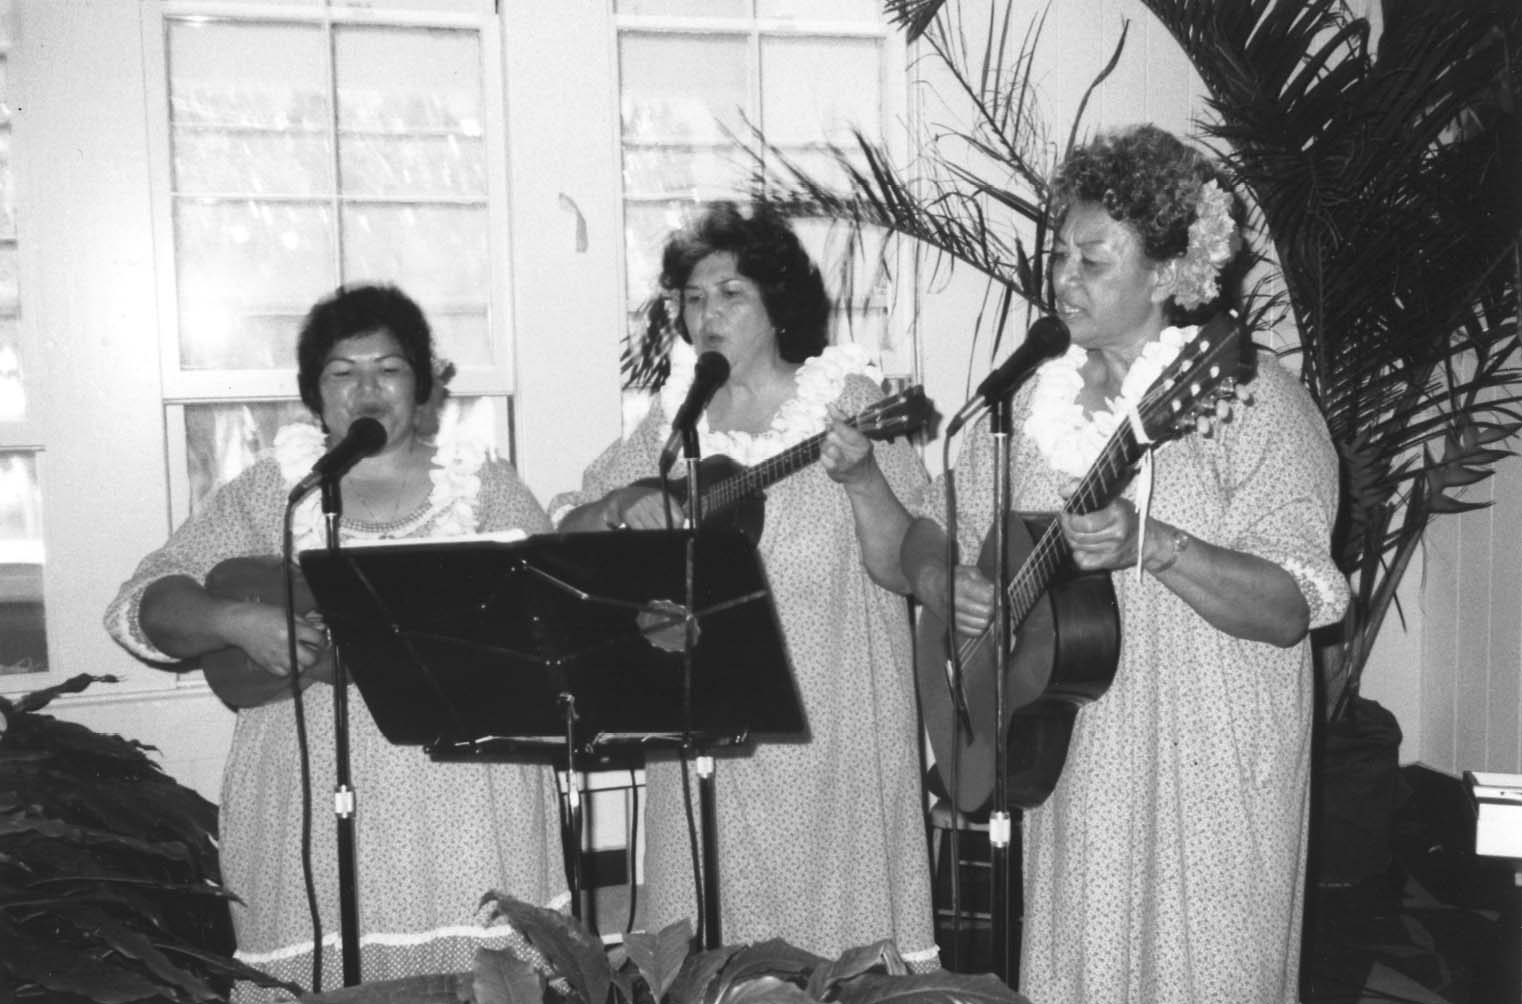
(1071, 440)
(819, 381)
(455, 474)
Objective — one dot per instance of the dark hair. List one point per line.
(358, 310)
(768, 253)
(1148, 179)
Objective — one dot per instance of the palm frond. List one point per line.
(1381, 179)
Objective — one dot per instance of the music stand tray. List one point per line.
(467, 648)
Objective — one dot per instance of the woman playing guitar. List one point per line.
(1168, 862)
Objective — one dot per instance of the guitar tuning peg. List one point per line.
(1204, 425)
(1223, 410)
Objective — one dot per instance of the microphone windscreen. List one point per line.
(712, 367)
(367, 433)
(1049, 335)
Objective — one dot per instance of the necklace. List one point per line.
(1071, 438)
(455, 474)
(383, 503)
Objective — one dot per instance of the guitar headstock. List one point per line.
(1198, 386)
(898, 415)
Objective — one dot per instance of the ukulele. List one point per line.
(230, 673)
(1064, 623)
(733, 495)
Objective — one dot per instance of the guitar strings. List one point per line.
(792, 459)
(1114, 461)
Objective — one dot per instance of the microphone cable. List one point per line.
(302, 747)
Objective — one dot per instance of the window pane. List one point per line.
(414, 5)
(685, 172)
(680, 88)
(249, 109)
(248, 272)
(7, 176)
(422, 6)
(410, 113)
(646, 229)
(12, 382)
(12, 385)
(223, 439)
(803, 101)
(440, 255)
(685, 8)
(23, 636)
(821, 10)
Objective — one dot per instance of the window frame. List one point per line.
(184, 388)
(899, 350)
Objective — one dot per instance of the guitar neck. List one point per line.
(768, 472)
(1105, 480)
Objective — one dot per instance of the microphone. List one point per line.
(708, 375)
(1046, 339)
(365, 436)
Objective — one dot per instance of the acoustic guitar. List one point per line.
(230, 673)
(1064, 623)
(733, 495)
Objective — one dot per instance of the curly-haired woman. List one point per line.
(1168, 863)
(821, 842)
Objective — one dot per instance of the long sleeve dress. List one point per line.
(1168, 865)
(430, 838)
(821, 842)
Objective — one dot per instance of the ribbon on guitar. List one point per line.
(1144, 475)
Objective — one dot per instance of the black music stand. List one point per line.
(562, 647)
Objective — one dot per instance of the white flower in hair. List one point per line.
(1212, 241)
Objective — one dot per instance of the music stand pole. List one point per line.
(573, 827)
(998, 816)
(345, 801)
(711, 923)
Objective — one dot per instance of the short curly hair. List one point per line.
(358, 310)
(1148, 179)
(767, 252)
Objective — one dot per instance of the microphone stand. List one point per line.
(709, 921)
(998, 816)
(344, 798)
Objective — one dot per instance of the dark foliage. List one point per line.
(109, 884)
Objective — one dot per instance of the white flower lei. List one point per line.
(452, 502)
(819, 381)
(1069, 439)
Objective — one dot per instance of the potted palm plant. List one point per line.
(1385, 177)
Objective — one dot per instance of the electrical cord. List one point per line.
(692, 844)
(302, 748)
(631, 848)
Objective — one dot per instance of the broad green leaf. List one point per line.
(660, 956)
(698, 975)
(500, 977)
(573, 952)
(882, 957)
(928, 988)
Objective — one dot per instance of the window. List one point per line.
(695, 75)
(23, 634)
(312, 144)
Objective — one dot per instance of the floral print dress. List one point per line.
(821, 841)
(431, 838)
(1168, 865)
